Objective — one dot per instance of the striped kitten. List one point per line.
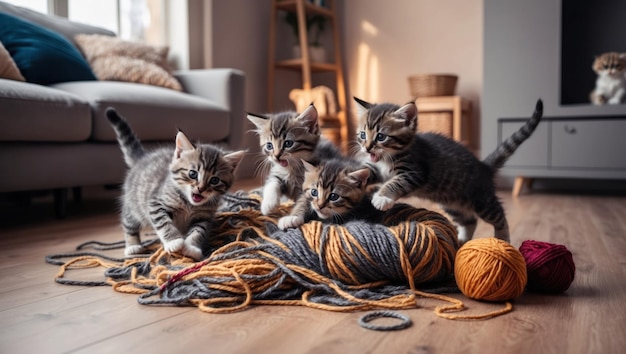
(174, 190)
(434, 167)
(611, 82)
(335, 191)
(286, 139)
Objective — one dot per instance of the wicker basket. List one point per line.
(428, 85)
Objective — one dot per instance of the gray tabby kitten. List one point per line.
(174, 190)
(434, 167)
(286, 139)
(335, 191)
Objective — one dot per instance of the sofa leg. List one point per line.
(60, 202)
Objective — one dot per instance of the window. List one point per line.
(37, 5)
(136, 20)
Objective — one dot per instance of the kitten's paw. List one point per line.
(174, 245)
(268, 205)
(193, 252)
(381, 202)
(134, 250)
(462, 234)
(290, 221)
(192, 249)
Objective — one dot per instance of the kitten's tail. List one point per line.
(130, 144)
(498, 158)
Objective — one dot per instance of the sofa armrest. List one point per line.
(225, 87)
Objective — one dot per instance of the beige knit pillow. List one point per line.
(115, 59)
(8, 69)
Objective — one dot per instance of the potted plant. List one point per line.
(315, 26)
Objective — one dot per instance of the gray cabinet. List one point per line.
(522, 62)
(588, 144)
(568, 147)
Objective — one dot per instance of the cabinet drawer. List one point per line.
(589, 144)
(533, 151)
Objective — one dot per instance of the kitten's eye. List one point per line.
(288, 143)
(314, 192)
(214, 180)
(269, 146)
(333, 197)
(193, 174)
(380, 137)
(362, 135)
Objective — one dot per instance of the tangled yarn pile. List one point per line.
(355, 266)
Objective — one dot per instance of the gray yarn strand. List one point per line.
(365, 320)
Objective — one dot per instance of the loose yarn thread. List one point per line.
(356, 266)
(550, 266)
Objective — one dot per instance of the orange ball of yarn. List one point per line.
(490, 269)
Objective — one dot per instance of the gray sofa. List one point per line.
(57, 137)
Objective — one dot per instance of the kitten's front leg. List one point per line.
(163, 225)
(271, 196)
(296, 217)
(617, 98)
(389, 192)
(196, 237)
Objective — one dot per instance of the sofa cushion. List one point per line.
(155, 113)
(43, 56)
(8, 69)
(119, 60)
(61, 25)
(32, 112)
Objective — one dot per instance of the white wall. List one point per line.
(388, 41)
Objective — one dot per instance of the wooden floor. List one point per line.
(39, 316)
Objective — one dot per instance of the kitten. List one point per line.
(335, 191)
(174, 190)
(434, 167)
(611, 82)
(288, 138)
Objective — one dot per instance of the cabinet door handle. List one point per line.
(569, 129)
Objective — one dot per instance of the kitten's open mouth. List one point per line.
(283, 163)
(197, 197)
(374, 157)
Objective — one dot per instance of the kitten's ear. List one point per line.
(182, 144)
(362, 106)
(258, 120)
(310, 118)
(234, 158)
(408, 113)
(360, 177)
(307, 166)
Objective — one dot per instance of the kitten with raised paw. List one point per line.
(433, 166)
(335, 192)
(287, 139)
(611, 81)
(175, 190)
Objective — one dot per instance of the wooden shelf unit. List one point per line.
(332, 126)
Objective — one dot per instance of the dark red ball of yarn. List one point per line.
(550, 266)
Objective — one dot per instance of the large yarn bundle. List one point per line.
(550, 266)
(355, 266)
(490, 269)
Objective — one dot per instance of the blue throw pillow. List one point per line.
(43, 56)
